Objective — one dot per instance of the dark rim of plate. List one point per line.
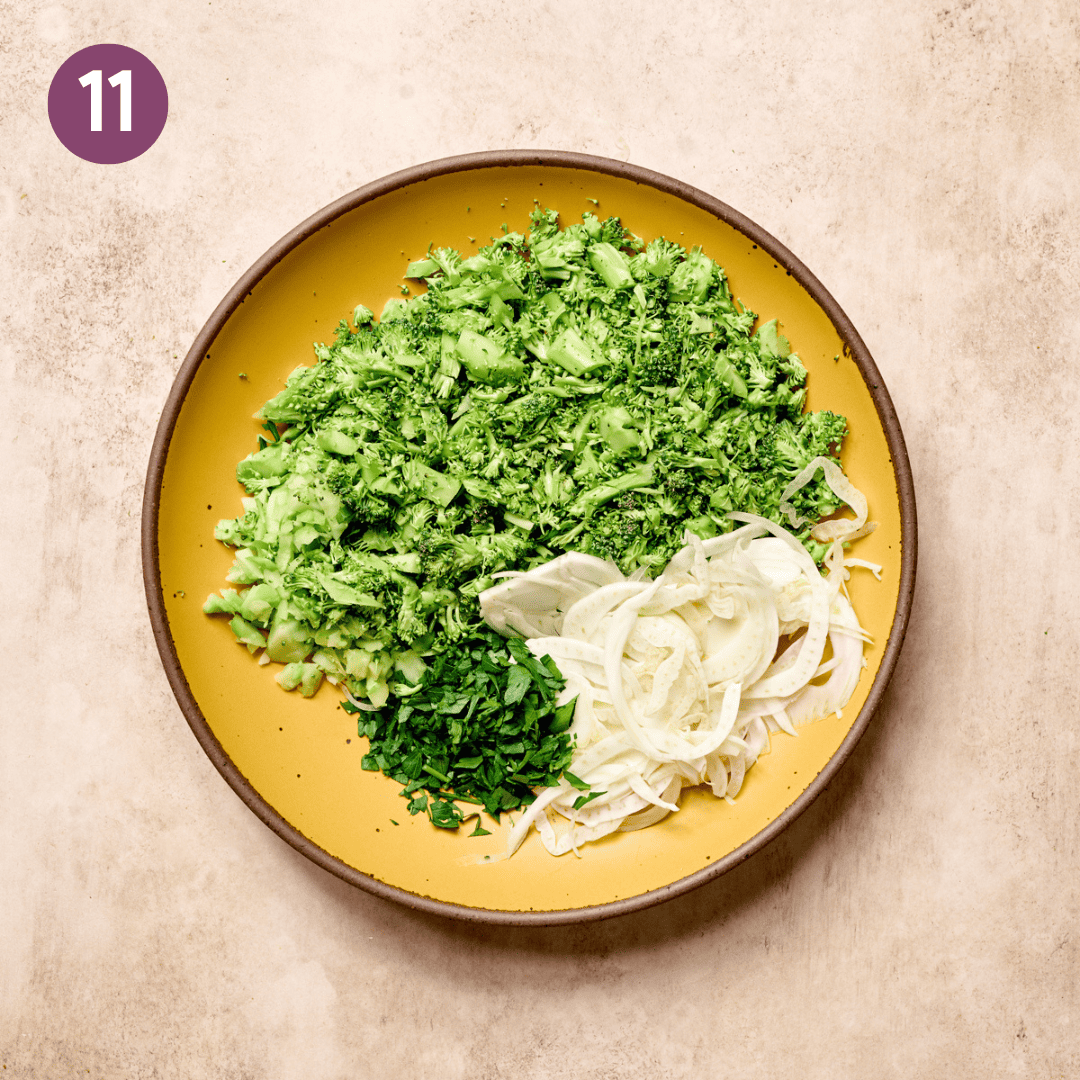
(501, 159)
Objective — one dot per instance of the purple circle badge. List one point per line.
(108, 104)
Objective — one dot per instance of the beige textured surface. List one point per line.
(921, 920)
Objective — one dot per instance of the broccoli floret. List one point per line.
(340, 479)
(536, 407)
(793, 368)
(544, 223)
(410, 625)
(826, 431)
(684, 490)
(612, 232)
(658, 367)
(691, 278)
(396, 340)
(613, 534)
(365, 506)
(437, 553)
(817, 435)
(367, 576)
(526, 414)
(678, 483)
(659, 259)
(498, 551)
(481, 518)
(762, 370)
(310, 392)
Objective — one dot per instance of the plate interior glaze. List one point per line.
(295, 761)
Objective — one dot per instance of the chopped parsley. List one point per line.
(482, 727)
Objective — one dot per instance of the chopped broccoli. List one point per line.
(569, 390)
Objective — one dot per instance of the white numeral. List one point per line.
(93, 80)
(121, 79)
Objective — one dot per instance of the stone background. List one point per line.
(921, 920)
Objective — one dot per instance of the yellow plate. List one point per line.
(296, 762)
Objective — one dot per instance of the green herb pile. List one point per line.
(569, 390)
(479, 729)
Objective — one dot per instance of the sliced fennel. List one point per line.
(679, 681)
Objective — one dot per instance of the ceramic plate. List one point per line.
(295, 761)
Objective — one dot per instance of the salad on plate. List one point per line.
(556, 527)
